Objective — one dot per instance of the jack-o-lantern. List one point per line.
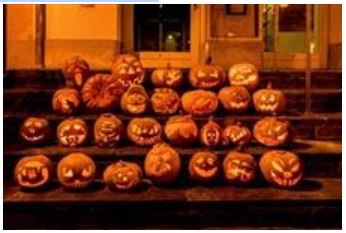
(135, 100)
(33, 172)
(76, 171)
(210, 134)
(204, 166)
(144, 131)
(181, 130)
(35, 131)
(243, 74)
(72, 132)
(76, 71)
(108, 130)
(281, 168)
(239, 168)
(123, 176)
(167, 77)
(66, 101)
(269, 101)
(236, 134)
(162, 164)
(102, 92)
(272, 132)
(128, 69)
(199, 102)
(165, 101)
(235, 98)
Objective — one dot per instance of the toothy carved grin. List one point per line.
(145, 135)
(239, 105)
(235, 137)
(285, 182)
(268, 106)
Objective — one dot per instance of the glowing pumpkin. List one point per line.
(72, 132)
(269, 101)
(181, 130)
(135, 100)
(199, 102)
(243, 74)
(144, 131)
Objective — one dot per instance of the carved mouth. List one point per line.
(238, 135)
(33, 138)
(33, 175)
(122, 181)
(268, 106)
(243, 79)
(206, 173)
(136, 108)
(238, 105)
(285, 182)
(212, 137)
(146, 135)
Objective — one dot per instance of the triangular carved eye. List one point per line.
(295, 167)
(277, 167)
(67, 172)
(201, 74)
(87, 172)
(214, 74)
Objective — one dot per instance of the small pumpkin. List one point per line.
(181, 130)
(165, 101)
(35, 131)
(128, 70)
(72, 132)
(123, 176)
(272, 131)
(76, 171)
(167, 77)
(269, 101)
(33, 172)
(204, 166)
(243, 74)
(76, 71)
(144, 131)
(162, 164)
(66, 101)
(199, 102)
(281, 168)
(211, 134)
(135, 100)
(108, 130)
(239, 168)
(236, 134)
(235, 99)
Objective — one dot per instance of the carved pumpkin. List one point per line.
(123, 176)
(236, 134)
(72, 132)
(144, 131)
(199, 102)
(210, 134)
(76, 71)
(181, 130)
(128, 69)
(102, 92)
(35, 131)
(33, 172)
(235, 98)
(271, 131)
(269, 101)
(162, 164)
(204, 166)
(165, 101)
(66, 101)
(167, 77)
(239, 168)
(243, 74)
(281, 168)
(135, 100)
(108, 130)
(76, 171)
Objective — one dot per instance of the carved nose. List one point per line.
(287, 175)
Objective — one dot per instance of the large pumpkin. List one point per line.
(66, 101)
(144, 131)
(181, 130)
(165, 101)
(76, 71)
(199, 102)
(72, 132)
(35, 131)
(243, 74)
(281, 168)
(236, 134)
(239, 168)
(235, 98)
(162, 164)
(269, 101)
(167, 77)
(204, 166)
(108, 130)
(135, 100)
(210, 134)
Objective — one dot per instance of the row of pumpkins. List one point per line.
(162, 165)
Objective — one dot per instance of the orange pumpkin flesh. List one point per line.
(144, 131)
(66, 101)
(181, 130)
(235, 98)
(207, 76)
(210, 134)
(108, 130)
(72, 132)
(243, 74)
(199, 102)
(135, 100)
(165, 101)
(35, 131)
(269, 101)
(167, 77)
(236, 134)
(239, 168)
(204, 166)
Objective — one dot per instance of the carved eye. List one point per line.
(201, 74)
(38, 124)
(87, 172)
(277, 166)
(271, 98)
(67, 172)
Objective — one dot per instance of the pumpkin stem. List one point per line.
(168, 65)
(211, 118)
(208, 60)
(269, 85)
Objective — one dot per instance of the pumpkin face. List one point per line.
(162, 164)
(281, 168)
(76, 171)
(35, 131)
(243, 74)
(269, 101)
(76, 72)
(66, 101)
(102, 92)
(167, 77)
(199, 102)
(236, 134)
(271, 131)
(128, 70)
(165, 101)
(33, 172)
(210, 134)
(123, 176)
(144, 131)
(181, 130)
(135, 100)
(239, 168)
(204, 166)
(235, 98)
(108, 130)
(207, 76)
(72, 132)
